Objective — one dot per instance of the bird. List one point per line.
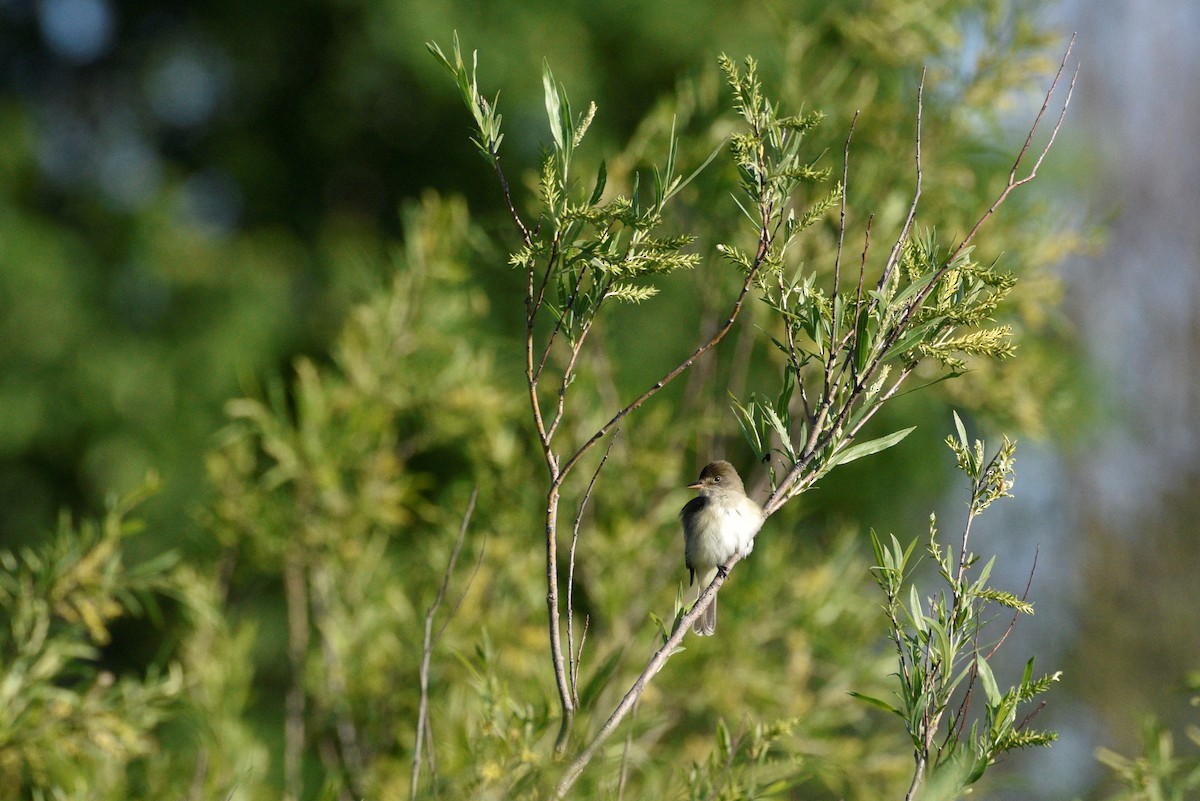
(717, 524)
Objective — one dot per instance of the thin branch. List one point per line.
(1013, 181)
(541, 291)
(1016, 613)
(819, 439)
(573, 665)
(431, 638)
(837, 260)
(430, 758)
(962, 553)
(898, 248)
(918, 775)
(578, 655)
(553, 615)
(862, 264)
(508, 201)
(1033, 713)
(568, 372)
(535, 404)
(557, 323)
(886, 396)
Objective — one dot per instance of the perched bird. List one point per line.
(718, 523)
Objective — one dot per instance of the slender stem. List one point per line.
(918, 775)
(837, 259)
(431, 639)
(572, 656)
(508, 201)
(554, 624)
(1024, 596)
(898, 248)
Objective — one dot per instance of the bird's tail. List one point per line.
(706, 624)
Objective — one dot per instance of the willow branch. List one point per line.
(572, 655)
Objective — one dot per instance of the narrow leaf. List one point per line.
(601, 181)
(553, 109)
(962, 430)
(884, 705)
(988, 680)
(867, 448)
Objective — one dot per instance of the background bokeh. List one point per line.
(193, 196)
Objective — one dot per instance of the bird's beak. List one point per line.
(697, 485)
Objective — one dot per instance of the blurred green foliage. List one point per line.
(319, 524)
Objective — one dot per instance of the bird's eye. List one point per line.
(717, 479)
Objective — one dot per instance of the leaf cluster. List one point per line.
(942, 663)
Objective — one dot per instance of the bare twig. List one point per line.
(1013, 181)
(837, 259)
(898, 248)
(504, 188)
(572, 655)
(431, 639)
(1024, 596)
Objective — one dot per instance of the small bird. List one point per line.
(718, 523)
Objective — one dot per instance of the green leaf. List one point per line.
(907, 551)
(1028, 675)
(785, 394)
(746, 421)
(601, 181)
(862, 342)
(912, 337)
(867, 448)
(884, 705)
(914, 607)
(877, 547)
(780, 427)
(681, 184)
(553, 107)
(988, 680)
(962, 430)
